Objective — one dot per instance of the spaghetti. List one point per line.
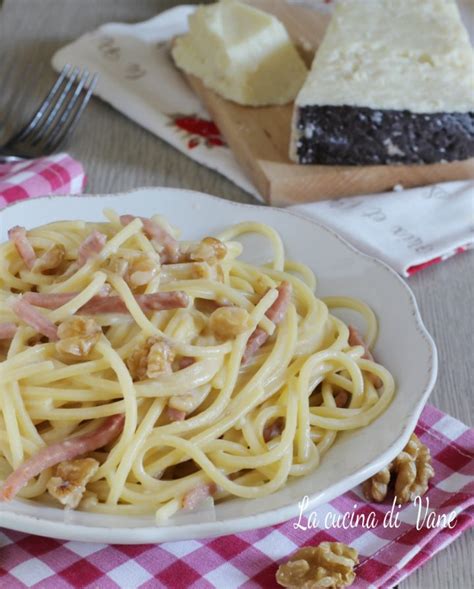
(140, 374)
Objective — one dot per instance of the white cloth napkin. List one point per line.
(407, 229)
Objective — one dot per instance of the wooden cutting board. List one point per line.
(259, 137)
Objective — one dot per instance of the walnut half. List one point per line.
(52, 258)
(410, 473)
(210, 250)
(77, 336)
(150, 359)
(138, 271)
(70, 479)
(330, 565)
(376, 488)
(229, 322)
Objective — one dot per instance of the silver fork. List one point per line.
(55, 119)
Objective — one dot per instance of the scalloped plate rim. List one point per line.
(125, 535)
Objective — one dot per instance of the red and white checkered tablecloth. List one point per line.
(247, 560)
(54, 174)
(250, 560)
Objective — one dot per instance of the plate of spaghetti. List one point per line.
(175, 366)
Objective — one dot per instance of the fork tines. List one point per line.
(58, 114)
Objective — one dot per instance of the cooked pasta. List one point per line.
(140, 373)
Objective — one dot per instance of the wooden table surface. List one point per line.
(119, 155)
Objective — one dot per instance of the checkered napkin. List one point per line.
(250, 560)
(55, 174)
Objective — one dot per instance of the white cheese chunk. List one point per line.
(394, 54)
(242, 53)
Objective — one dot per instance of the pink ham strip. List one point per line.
(110, 304)
(17, 235)
(92, 245)
(48, 300)
(355, 339)
(275, 313)
(7, 330)
(185, 361)
(193, 497)
(55, 300)
(56, 453)
(341, 398)
(175, 414)
(34, 319)
(155, 231)
(158, 301)
(274, 429)
(254, 343)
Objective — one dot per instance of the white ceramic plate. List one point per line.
(403, 345)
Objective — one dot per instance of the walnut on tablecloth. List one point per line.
(409, 472)
(376, 488)
(329, 565)
(70, 478)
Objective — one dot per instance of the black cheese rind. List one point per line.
(346, 135)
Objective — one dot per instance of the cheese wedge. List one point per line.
(242, 53)
(392, 82)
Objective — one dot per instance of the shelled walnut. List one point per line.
(70, 479)
(329, 565)
(150, 359)
(160, 358)
(210, 250)
(51, 259)
(143, 269)
(117, 265)
(77, 336)
(376, 488)
(409, 473)
(228, 322)
(138, 271)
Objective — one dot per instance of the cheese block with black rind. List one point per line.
(392, 82)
